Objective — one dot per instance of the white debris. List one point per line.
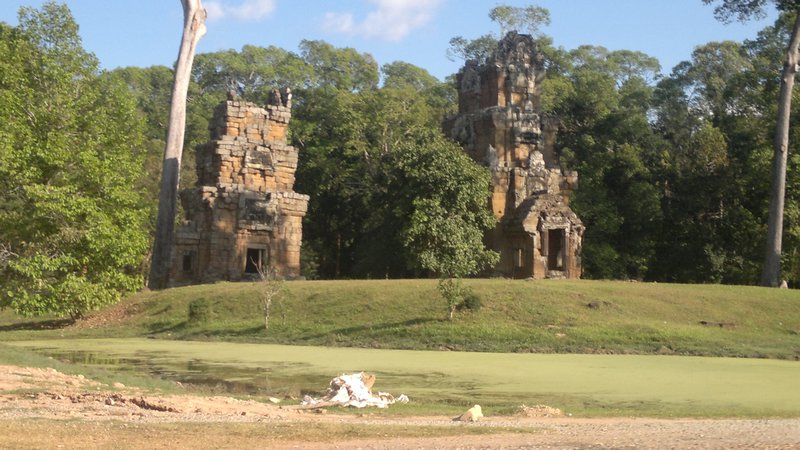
(354, 390)
(472, 415)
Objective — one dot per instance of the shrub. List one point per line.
(470, 300)
(200, 310)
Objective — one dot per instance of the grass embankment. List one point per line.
(516, 316)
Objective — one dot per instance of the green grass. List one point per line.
(516, 316)
(448, 382)
(620, 357)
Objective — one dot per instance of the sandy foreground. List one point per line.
(43, 408)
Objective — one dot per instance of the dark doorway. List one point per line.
(188, 263)
(555, 249)
(256, 260)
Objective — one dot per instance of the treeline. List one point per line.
(674, 169)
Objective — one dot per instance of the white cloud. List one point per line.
(248, 10)
(392, 20)
(339, 22)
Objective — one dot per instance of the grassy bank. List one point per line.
(516, 316)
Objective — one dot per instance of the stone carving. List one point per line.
(244, 213)
(499, 124)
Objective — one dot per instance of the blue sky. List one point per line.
(147, 32)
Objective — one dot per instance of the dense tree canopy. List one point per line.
(72, 221)
(674, 167)
(742, 10)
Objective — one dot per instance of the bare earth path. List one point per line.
(42, 408)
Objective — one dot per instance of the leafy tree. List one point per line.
(516, 18)
(151, 87)
(333, 169)
(439, 195)
(718, 107)
(255, 70)
(527, 19)
(606, 136)
(743, 10)
(436, 206)
(471, 49)
(345, 137)
(71, 218)
(712, 75)
(401, 75)
(343, 69)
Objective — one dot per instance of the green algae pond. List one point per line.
(437, 381)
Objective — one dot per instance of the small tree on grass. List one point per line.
(449, 246)
(271, 288)
(452, 291)
(448, 215)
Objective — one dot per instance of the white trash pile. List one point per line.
(354, 390)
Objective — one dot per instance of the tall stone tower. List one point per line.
(243, 215)
(500, 125)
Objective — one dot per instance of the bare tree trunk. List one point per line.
(194, 17)
(770, 276)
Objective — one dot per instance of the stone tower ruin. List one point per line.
(500, 125)
(243, 215)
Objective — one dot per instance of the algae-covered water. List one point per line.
(582, 384)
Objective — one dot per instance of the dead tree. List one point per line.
(271, 288)
(770, 276)
(194, 17)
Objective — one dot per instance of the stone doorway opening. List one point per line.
(256, 261)
(555, 249)
(187, 263)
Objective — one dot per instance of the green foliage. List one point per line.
(354, 162)
(470, 301)
(607, 138)
(256, 70)
(70, 160)
(152, 88)
(441, 194)
(716, 112)
(201, 311)
(517, 18)
(527, 19)
(471, 50)
(400, 75)
(344, 69)
(674, 169)
(451, 290)
(744, 10)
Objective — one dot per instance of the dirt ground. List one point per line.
(43, 408)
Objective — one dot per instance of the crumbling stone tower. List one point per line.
(500, 124)
(243, 215)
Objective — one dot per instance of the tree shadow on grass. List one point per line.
(166, 327)
(258, 332)
(39, 325)
(357, 330)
